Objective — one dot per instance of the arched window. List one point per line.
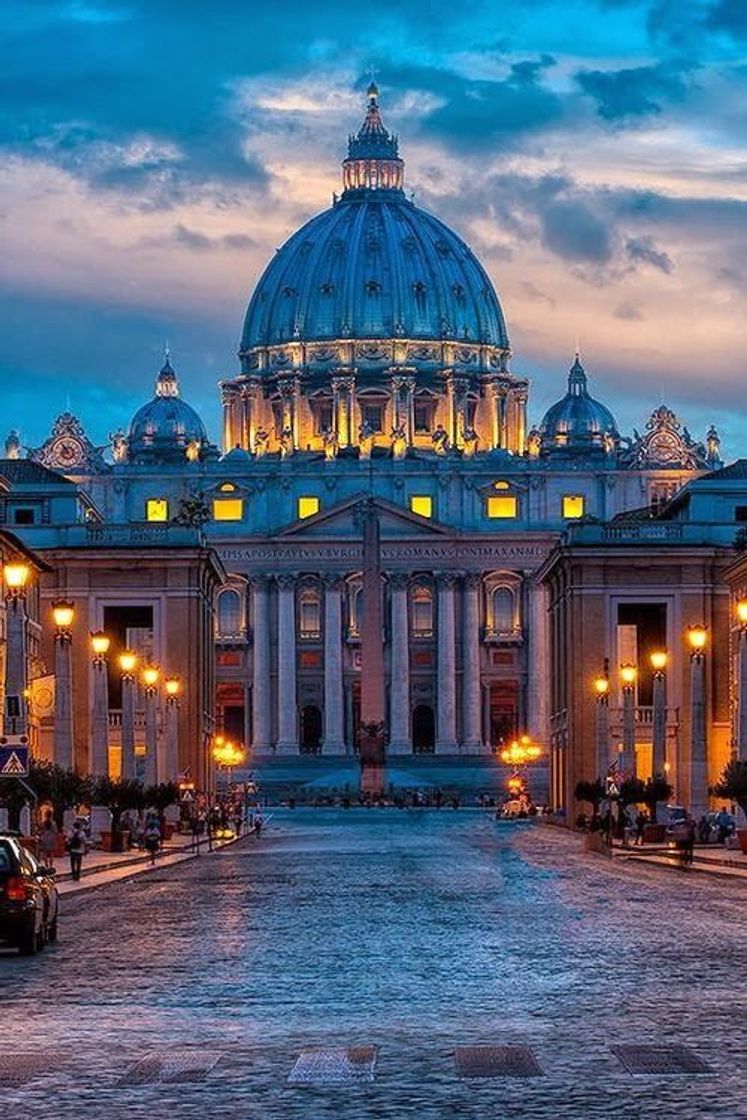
(422, 612)
(309, 613)
(504, 621)
(229, 614)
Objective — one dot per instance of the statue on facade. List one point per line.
(118, 445)
(469, 442)
(440, 440)
(534, 443)
(286, 443)
(193, 511)
(365, 440)
(713, 447)
(13, 445)
(330, 442)
(261, 443)
(399, 441)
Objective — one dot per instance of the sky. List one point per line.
(155, 153)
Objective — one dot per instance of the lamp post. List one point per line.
(151, 675)
(99, 755)
(697, 639)
(659, 731)
(63, 613)
(170, 758)
(518, 756)
(628, 678)
(127, 665)
(16, 721)
(602, 690)
(741, 744)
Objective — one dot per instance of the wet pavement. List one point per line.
(386, 963)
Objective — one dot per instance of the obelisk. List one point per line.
(373, 696)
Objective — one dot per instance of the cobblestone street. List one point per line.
(410, 932)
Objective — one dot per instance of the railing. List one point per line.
(495, 634)
(644, 716)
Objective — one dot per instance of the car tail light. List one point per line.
(17, 889)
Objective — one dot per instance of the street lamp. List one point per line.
(602, 691)
(151, 676)
(628, 678)
(128, 660)
(697, 639)
(16, 574)
(659, 661)
(740, 610)
(172, 687)
(518, 755)
(99, 759)
(63, 613)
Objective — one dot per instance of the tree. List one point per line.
(118, 795)
(65, 789)
(593, 792)
(161, 796)
(733, 783)
(631, 792)
(656, 789)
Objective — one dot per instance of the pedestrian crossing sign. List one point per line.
(14, 761)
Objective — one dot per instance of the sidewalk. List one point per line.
(710, 859)
(102, 868)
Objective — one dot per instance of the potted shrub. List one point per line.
(655, 791)
(733, 786)
(117, 795)
(160, 797)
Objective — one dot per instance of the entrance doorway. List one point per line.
(423, 730)
(311, 730)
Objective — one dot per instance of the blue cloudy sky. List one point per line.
(155, 153)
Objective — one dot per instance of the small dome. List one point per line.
(166, 428)
(237, 455)
(577, 424)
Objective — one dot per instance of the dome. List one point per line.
(372, 267)
(167, 427)
(578, 424)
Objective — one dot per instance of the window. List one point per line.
(573, 505)
(307, 507)
(229, 614)
(156, 509)
(373, 417)
(740, 513)
(505, 506)
(322, 418)
(309, 614)
(503, 610)
(23, 517)
(422, 504)
(227, 488)
(228, 509)
(422, 612)
(423, 417)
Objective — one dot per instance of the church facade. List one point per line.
(375, 363)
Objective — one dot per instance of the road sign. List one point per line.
(14, 761)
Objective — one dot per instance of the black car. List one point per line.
(29, 901)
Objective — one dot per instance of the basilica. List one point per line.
(375, 364)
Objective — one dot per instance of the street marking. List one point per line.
(496, 1061)
(336, 1065)
(659, 1059)
(170, 1067)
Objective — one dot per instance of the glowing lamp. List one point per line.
(173, 686)
(628, 675)
(697, 637)
(100, 643)
(16, 574)
(741, 611)
(151, 673)
(658, 660)
(127, 661)
(533, 752)
(63, 614)
(601, 686)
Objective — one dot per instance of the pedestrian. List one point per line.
(152, 840)
(238, 822)
(689, 844)
(258, 822)
(725, 824)
(47, 841)
(77, 847)
(640, 827)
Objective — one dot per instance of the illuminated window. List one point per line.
(229, 614)
(157, 509)
(307, 507)
(573, 505)
(372, 416)
(503, 610)
(228, 509)
(505, 506)
(422, 504)
(309, 614)
(501, 486)
(227, 488)
(422, 612)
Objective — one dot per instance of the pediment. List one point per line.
(344, 521)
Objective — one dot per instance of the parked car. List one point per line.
(29, 900)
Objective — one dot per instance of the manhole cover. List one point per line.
(170, 1067)
(334, 1066)
(496, 1061)
(660, 1059)
(16, 1069)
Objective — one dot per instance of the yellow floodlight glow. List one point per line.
(658, 660)
(697, 637)
(16, 574)
(127, 661)
(628, 675)
(63, 614)
(151, 674)
(100, 643)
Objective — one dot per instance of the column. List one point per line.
(603, 733)
(538, 665)
(471, 691)
(742, 695)
(63, 699)
(99, 758)
(659, 728)
(168, 760)
(287, 741)
(698, 754)
(403, 408)
(261, 680)
(16, 666)
(446, 666)
(151, 736)
(129, 763)
(342, 391)
(400, 734)
(334, 717)
(230, 435)
(627, 757)
(493, 393)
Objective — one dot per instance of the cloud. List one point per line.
(729, 16)
(574, 232)
(634, 92)
(629, 313)
(643, 250)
